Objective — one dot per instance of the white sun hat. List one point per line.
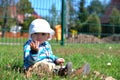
(40, 26)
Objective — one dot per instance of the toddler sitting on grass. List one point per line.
(38, 55)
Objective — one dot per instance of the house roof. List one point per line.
(20, 17)
(35, 15)
(114, 3)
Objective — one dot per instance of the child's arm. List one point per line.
(30, 54)
(53, 57)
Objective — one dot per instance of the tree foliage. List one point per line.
(54, 15)
(82, 15)
(94, 24)
(70, 11)
(96, 6)
(71, 15)
(4, 12)
(26, 23)
(24, 6)
(115, 19)
(82, 12)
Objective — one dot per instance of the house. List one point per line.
(15, 29)
(106, 17)
(20, 17)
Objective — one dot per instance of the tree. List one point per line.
(4, 9)
(24, 6)
(26, 23)
(94, 24)
(96, 6)
(82, 15)
(115, 19)
(82, 12)
(1, 14)
(54, 13)
(70, 12)
(70, 16)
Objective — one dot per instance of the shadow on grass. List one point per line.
(18, 68)
(14, 67)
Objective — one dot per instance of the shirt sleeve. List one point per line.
(51, 55)
(29, 55)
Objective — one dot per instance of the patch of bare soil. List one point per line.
(112, 39)
(84, 38)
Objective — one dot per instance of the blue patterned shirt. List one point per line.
(44, 53)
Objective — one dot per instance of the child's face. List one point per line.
(41, 37)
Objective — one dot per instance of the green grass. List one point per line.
(13, 40)
(97, 55)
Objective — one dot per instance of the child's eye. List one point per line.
(43, 34)
(35, 33)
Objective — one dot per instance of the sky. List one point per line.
(42, 6)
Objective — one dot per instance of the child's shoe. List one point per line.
(65, 71)
(85, 70)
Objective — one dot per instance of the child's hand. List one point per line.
(60, 60)
(35, 45)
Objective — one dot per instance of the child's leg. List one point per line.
(43, 68)
(45, 64)
(85, 69)
(68, 70)
(40, 68)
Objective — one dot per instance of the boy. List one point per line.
(38, 56)
(37, 50)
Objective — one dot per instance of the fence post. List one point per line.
(63, 21)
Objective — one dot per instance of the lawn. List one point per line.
(97, 55)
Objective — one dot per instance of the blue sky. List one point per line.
(42, 6)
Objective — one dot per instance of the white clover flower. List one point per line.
(110, 47)
(109, 64)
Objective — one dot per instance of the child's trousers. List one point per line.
(41, 68)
